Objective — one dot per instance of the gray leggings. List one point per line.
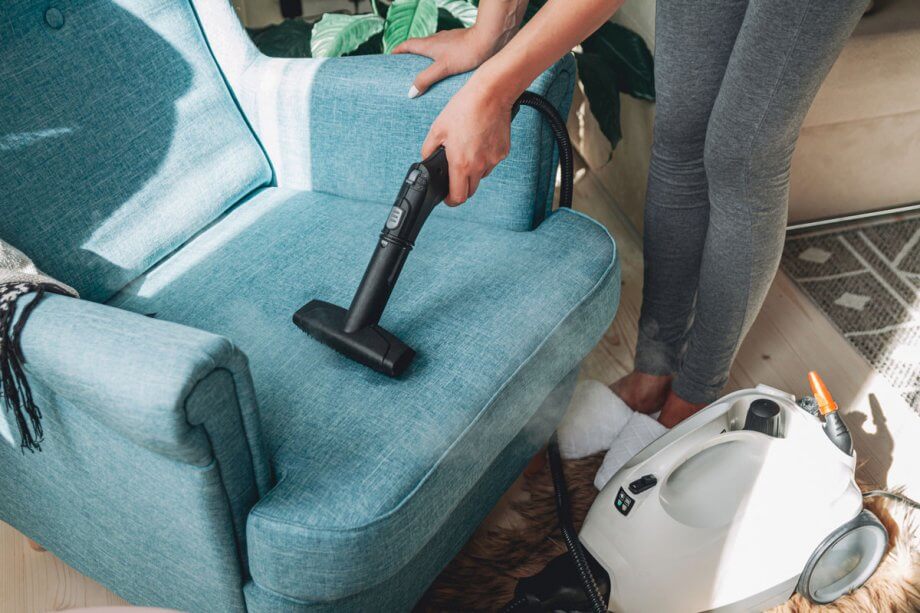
(734, 81)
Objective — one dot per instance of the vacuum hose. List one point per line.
(556, 587)
(564, 511)
(561, 135)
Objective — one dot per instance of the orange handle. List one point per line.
(826, 402)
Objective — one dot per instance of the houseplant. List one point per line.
(611, 61)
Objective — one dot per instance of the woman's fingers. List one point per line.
(459, 188)
(428, 77)
(459, 177)
(432, 142)
(418, 46)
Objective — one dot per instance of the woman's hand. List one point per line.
(475, 129)
(453, 52)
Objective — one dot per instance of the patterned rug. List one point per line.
(866, 278)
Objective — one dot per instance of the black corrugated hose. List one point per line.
(563, 508)
(563, 144)
(564, 511)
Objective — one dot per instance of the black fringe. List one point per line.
(17, 395)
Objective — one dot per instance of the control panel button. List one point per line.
(412, 176)
(623, 502)
(643, 483)
(396, 215)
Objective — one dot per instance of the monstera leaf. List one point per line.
(628, 56)
(600, 83)
(337, 34)
(408, 19)
(460, 9)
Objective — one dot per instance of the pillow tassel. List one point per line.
(17, 395)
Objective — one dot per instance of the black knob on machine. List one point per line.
(763, 416)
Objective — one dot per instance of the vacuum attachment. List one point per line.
(834, 427)
(356, 332)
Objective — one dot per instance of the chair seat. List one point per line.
(368, 467)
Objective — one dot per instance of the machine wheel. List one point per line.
(844, 560)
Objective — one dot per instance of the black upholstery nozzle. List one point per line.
(356, 332)
(371, 345)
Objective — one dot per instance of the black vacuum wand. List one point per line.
(356, 332)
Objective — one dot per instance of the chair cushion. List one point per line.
(369, 467)
(118, 137)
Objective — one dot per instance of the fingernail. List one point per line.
(413, 91)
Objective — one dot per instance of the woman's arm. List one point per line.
(554, 31)
(462, 50)
(475, 126)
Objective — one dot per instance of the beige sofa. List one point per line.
(859, 148)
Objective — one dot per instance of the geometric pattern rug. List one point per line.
(866, 278)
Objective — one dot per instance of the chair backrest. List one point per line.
(119, 139)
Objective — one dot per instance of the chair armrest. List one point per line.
(181, 392)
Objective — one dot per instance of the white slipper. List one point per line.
(639, 431)
(595, 417)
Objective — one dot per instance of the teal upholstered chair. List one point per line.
(200, 451)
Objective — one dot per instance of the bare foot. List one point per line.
(676, 410)
(642, 392)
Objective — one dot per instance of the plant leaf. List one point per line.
(461, 9)
(409, 19)
(446, 21)
(373, 46)
(379, 8)
(336, 34)
(628, 56)
(599, 80)
(290, 38)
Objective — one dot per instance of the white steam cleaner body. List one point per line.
(735, 509)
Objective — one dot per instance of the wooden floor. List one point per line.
(789, 338)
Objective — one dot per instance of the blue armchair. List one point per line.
(200, 451)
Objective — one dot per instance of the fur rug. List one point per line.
(484, 574)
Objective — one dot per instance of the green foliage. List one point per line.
(446, 21)
(629, 57)
(461, 10)
(379, 8)
(409, 19)
(612, 61)
(290, 38)
(337, 34)
(600, 82)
